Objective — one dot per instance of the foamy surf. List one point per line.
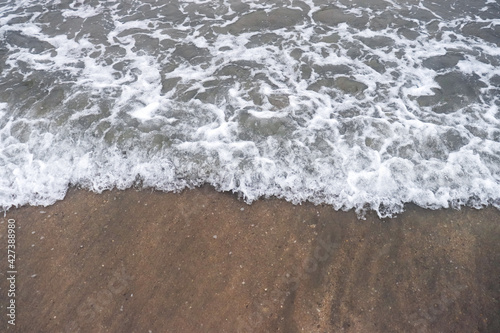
(358, 105)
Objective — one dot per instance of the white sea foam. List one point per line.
(356, 106)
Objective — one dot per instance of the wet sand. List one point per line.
(203, 261)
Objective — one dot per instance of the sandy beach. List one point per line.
(203, 261)
(381, 104)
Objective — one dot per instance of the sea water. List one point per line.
(362, 104)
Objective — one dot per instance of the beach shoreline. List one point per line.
(205, 261)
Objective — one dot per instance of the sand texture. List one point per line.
(203, 261)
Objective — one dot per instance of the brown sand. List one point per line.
(202, 261)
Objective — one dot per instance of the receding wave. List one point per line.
(364, 105)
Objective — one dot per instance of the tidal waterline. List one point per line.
(356, 104)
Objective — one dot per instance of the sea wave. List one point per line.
(358, 105)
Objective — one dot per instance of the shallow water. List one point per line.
(357, 104)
